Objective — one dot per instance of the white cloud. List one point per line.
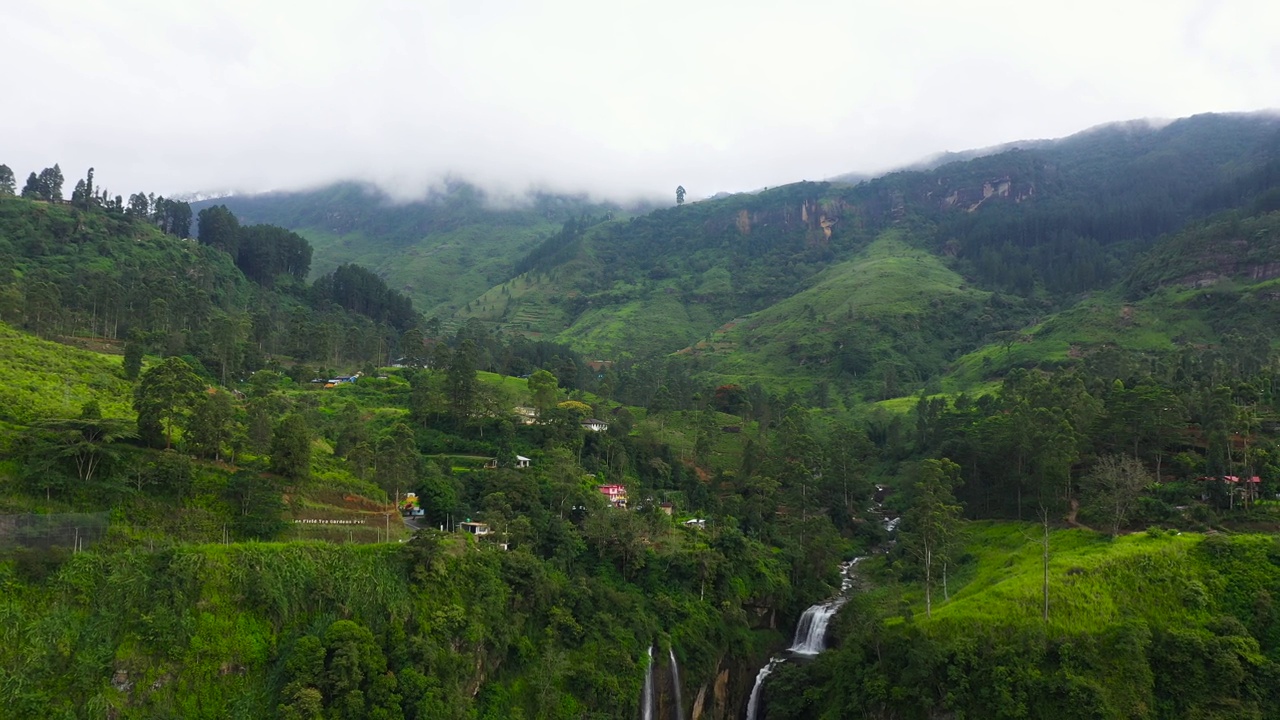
(619, 99)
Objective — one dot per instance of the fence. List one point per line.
(73, 531)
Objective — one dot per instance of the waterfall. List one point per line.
(811, 632)
(646, 701)
(753, 704)
(675, 683)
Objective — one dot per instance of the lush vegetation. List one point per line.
(441, 251)
(1153, 624)
(1029, 358)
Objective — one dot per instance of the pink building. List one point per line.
(616, 494)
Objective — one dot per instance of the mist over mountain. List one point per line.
(1042, 220)
(659, 434)
(578, 360)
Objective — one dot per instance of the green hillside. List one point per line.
(1151, 625)
(206, 459)
(442, 251)
(1033, 228)
(45, 380)
(891, 316)
(1027, 233)
(1210, 288)
(179, 607)
(440, 273)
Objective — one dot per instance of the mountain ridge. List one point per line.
(1040, 224)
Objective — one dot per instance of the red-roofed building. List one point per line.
(615, 494)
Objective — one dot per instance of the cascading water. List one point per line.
(811, 632)
(675, 684)
(753, 703)
(810, 637)
(646, 700)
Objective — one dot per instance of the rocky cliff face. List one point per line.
(722, 697)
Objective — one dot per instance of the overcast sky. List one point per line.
(615, 98)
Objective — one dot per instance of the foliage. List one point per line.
(48, 380)
(790, 308)
(291, 448)
(931, 527)
(1113, 487)
(359, 290)
(164, 398)
(442, 250)
(1143, 626)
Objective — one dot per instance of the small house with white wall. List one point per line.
(522, 462)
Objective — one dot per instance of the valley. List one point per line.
(330, 454)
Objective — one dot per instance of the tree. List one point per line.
(413, 347)
(139, 206)
(460, 382)
(679, 195)
(265, 251)
(164, 395)
(544, 387)
(133, 352)
(210, 427)
(84, 444)
(50, 184)
(1113, 488)
(7, 182)
(31, 190)
(258, 504)
(397, 459)
(931, 526)
(219, 228)
(291, 448)
(619, 537)
(80, 195)
(172, 216)
(228, 333)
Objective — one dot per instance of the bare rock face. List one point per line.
(721, 696)
(725, 697)
(120, 681)
(699, 703)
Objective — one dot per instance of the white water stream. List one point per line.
(646, 702)
(675, 683)
(811, 632)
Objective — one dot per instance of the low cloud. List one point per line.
(617, 100)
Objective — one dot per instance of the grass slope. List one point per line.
(1149, 625)
(1212, 286)
(1095, 581)
(889, 299)
(44, 379)
(440, 272)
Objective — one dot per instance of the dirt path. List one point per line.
(1071, 516)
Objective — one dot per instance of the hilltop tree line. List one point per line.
(171, 216)
(89, 267)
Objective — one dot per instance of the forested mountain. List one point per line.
(1033, 231)
(1034, 394)
(441, 251)
(1022, 232)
